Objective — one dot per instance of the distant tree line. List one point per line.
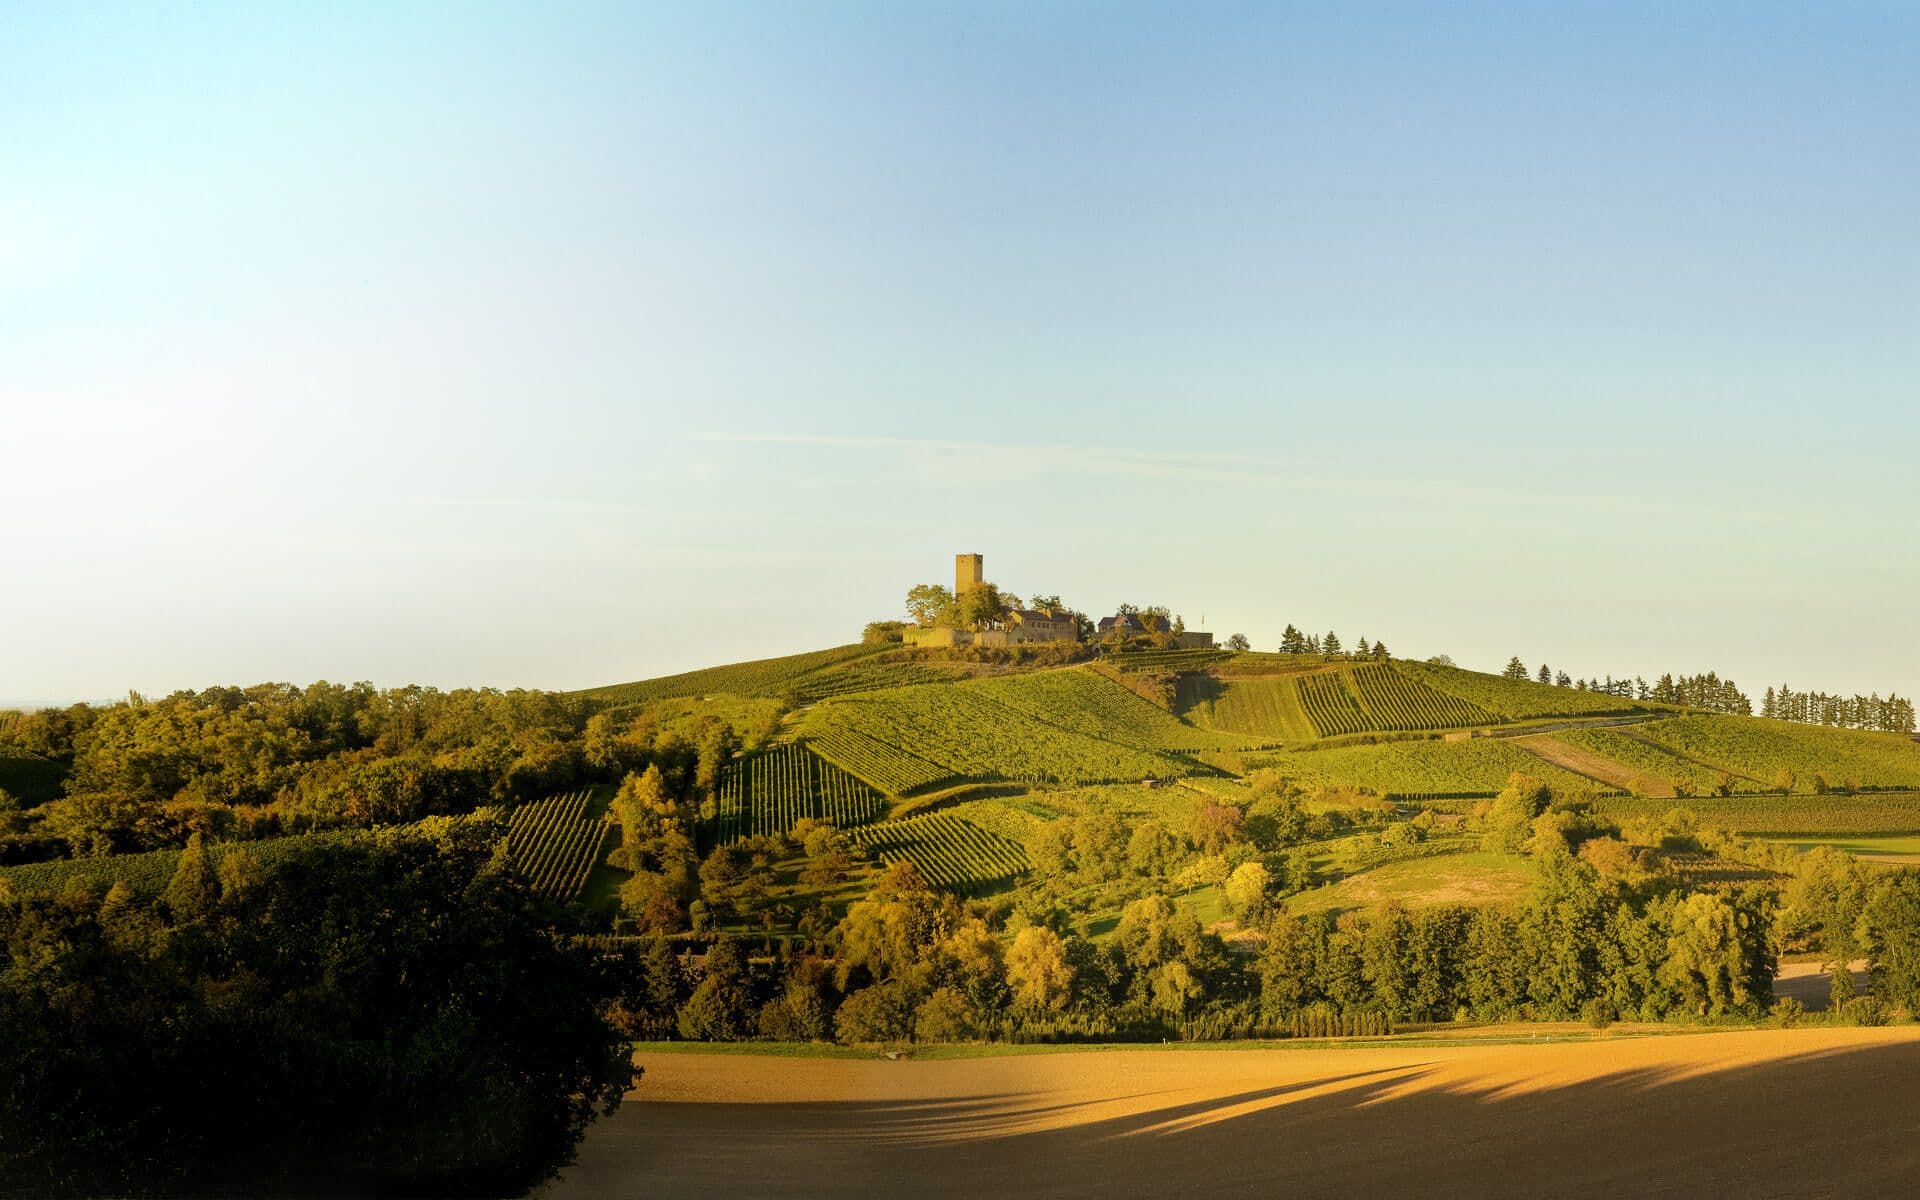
(1707, 692)
(1894, 714)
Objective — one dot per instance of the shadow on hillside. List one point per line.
(1844, 1120)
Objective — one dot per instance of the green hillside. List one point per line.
(1427, 769)
(910, 739)
(1762, 749)
(28, 777)
(1519, 700)
(760, 677)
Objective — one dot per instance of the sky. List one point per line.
(549, 345)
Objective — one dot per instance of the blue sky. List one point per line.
(552, 345)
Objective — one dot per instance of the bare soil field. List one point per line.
(1751, 1113)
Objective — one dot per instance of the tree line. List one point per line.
(384, 1014)
(1894, 714)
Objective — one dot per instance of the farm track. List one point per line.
(1596, 767)
(1751, 1113)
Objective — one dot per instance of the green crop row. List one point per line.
(914, 738)
(1167, 660)
(761, 677)
(769, 793)
(950, 851)
(1763, 749)
(1398, 702)
(1893, 812)
(555, 844)
(1517, 700)
(868, 676)
(1427, 769)
(1330, 706)
(1262, 708)
(1086, 702)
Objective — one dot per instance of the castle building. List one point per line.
(1022, 626)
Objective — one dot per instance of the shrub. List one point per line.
(1598, 1012)
(1786, 1012)
(1863, 1011)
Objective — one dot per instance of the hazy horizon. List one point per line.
(523, 348)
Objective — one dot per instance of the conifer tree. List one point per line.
(1515, 669)
(1330, 645)
(1545, 675)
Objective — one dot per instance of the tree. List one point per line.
(721, 1006)
(195, 888)
(1545, 675)
(1380, 653)
(1515, 669)
(945, 1016)
(929, 603)
(1247, 892)
(1037, 970)
(1293, 641)
(1362, 650)
(1330, 644)
(1238, 641)
(881, 1013)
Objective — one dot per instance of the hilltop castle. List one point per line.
(1024, 626)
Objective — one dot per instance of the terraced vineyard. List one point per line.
(1894, 812)
(1088, 703)
(554, 843)
(761, 677)
(1261, 708)
(1762, 748)
(1398, 702)
(1649, 759)
(834, 733)
(1428, 770)
(1517, 700)
(769, 792)
(868, 676)
(1330, 706)
(911, 739)
(1167, 660)
(950, 851)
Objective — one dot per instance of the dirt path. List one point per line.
(1768, 1113)
(1596, 767)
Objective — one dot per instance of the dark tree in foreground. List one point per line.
(391, 1013)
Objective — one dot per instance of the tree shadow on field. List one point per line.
(1825, 1122)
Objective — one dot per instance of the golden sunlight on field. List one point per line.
(1754, 1113)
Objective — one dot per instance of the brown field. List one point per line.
(1751, 1113)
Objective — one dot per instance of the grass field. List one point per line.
(1476, 877)
(1749, 1113)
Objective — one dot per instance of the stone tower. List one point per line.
(969, 572)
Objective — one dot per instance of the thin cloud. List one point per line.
(970, 460)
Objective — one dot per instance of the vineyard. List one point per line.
(1267, 708)
(28, 777)
(1762, 749)
(950, 851)
(148, 874)
(1783, 815)
(1398, 702)
(769, 792)
(1517, 700)
(555, 844)
(1085, 702)
(868, 676)
(1427, 769)
(1647, 758)
(1330, 706)
(762, 677)
(958, 732)
(1167, 660)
